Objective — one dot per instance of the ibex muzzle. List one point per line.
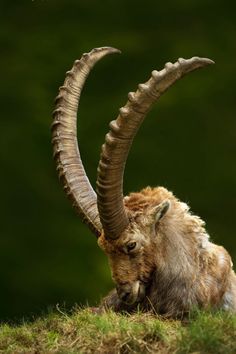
(160, 254)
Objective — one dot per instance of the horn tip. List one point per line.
(210, 61)
(188, 65)
(114, 50)
(107, 49)
(206, 61)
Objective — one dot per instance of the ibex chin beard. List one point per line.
(147, 234)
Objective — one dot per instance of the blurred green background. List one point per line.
(188, 141)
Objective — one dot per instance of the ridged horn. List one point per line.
(119, 139)
(64, 139)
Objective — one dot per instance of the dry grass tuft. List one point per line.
(87, 332)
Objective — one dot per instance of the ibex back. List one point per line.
(160, 254)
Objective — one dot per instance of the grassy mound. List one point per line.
(88, 332)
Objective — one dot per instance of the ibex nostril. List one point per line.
(124, 296)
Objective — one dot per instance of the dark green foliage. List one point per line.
(187, 143)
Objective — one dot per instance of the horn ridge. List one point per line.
(64, 139)
(118, 141)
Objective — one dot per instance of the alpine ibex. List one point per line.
(159, 252)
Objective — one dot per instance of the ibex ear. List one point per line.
(159, 211)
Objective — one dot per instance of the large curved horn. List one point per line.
(119, 139)
(64, 139)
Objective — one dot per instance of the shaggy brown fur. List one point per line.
(164, 260)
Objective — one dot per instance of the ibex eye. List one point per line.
(130, 246)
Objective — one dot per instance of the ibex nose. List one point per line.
(125, 296)
(130, 293)
(124, 292)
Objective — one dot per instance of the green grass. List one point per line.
(86, 332)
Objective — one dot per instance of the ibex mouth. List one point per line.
(135, 293)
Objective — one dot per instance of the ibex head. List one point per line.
(130, 230)
(133, 255)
